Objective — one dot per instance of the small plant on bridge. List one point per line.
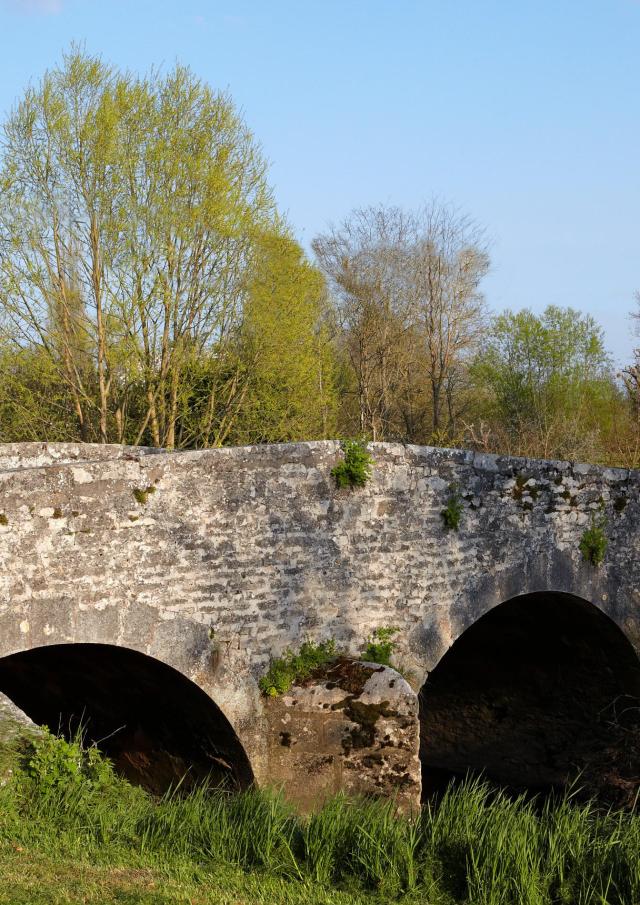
(380, 645)
(291, 667)
(355, 468)
(142, 494)
(452, 512)
(593, 543)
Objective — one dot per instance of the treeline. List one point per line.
(150, 293)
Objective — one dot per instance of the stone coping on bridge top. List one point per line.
(18, 456)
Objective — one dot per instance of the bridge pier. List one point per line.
(352, 727)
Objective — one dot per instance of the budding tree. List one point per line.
(407, 291)
(128, 213)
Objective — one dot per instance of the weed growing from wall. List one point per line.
(291, 667)
(355, 468)
(380, 646)
(452, 512)
(593, 543)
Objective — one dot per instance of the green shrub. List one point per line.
(291, 667)
(355, 468)
(54, 762)
(380, 647)
(593, 543)
(452, 512)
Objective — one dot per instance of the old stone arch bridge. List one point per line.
(143, 593)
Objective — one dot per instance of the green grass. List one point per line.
(71, 831)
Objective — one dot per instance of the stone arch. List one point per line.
(551, 570)
(157, 726)
(537, 689)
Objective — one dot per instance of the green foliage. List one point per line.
(548, 383)
(233, 340)
(34, 403)
(58, 764)
(222, 342)
(294, 667)
(593, 543)
(355, 468)
(285, 348)
(380, 646)
(452, 512)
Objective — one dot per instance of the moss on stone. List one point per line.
(518, 490)
(142, 494)
(365, 716)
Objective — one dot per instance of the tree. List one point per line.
(276, 381)
(449, 261)
(631, 374)
(406, 287)
(625, 442)
(549, 384)
(286, 348)
(362, 261)
(129, 212)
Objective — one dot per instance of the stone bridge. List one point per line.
(143, 593)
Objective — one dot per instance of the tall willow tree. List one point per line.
(132, 213)
(286, 345)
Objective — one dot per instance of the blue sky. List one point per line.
(524, 114)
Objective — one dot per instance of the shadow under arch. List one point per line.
(157, 726)
(540, 688)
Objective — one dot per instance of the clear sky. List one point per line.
(524, 114)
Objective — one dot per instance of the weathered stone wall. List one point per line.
(215, 561)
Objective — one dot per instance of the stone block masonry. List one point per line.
(215, 561)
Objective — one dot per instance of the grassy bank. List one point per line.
(71, 831)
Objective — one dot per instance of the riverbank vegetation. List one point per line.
(72, 831)
(151, 293)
